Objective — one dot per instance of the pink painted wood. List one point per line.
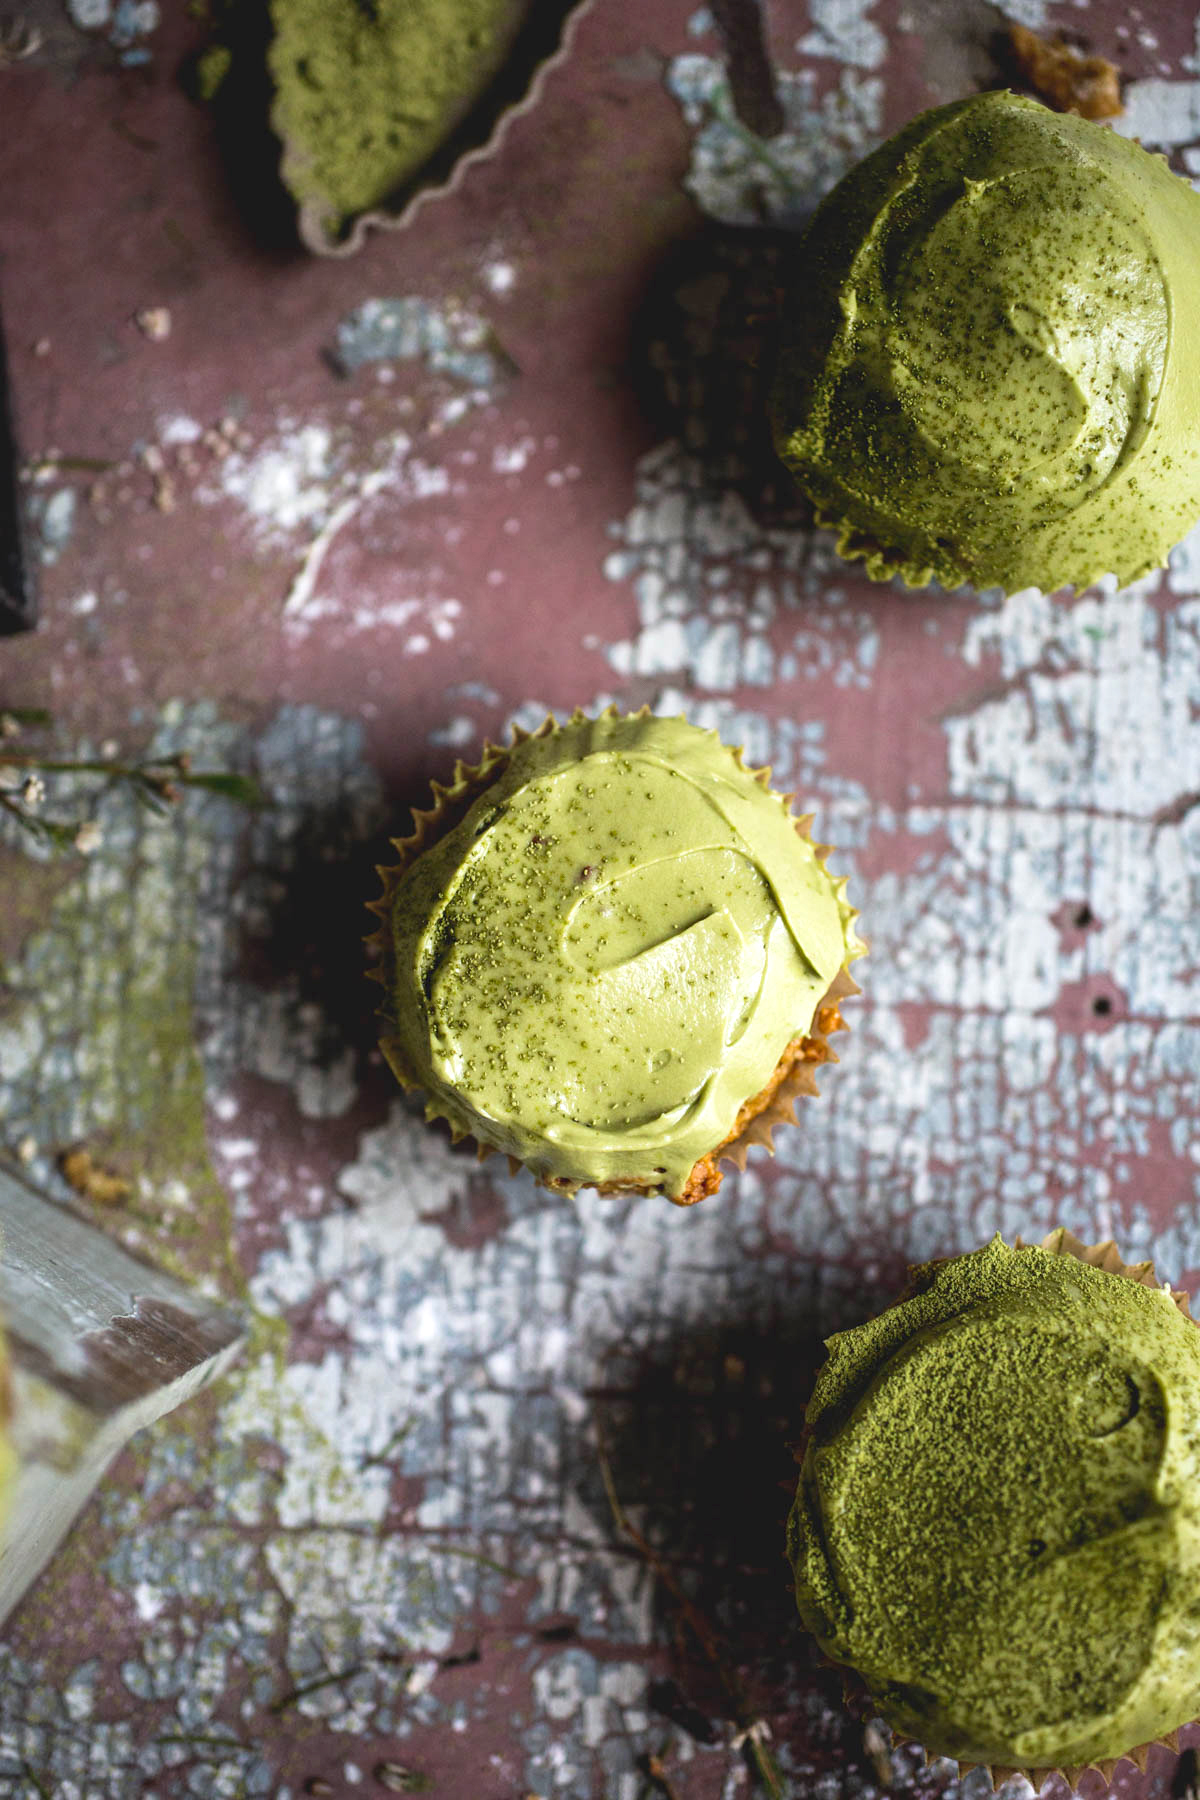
(336, 522)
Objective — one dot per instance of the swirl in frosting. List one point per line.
(610, 952)
(993, 369)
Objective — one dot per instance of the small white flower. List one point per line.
(27, 1149)
(33, 792)
(89, 837)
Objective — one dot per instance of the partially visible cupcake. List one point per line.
(997, 1524)
(611, 952)
(992, 372)
(377, 103)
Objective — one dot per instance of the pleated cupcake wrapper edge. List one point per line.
(467, 783)
(801, 1080)
(445, 169)
(856, 1693)
(858, 1701)
(1106, 1256)
(881, 564)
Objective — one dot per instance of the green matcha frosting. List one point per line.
(365, 93)
(998, 1517)
(608, 955)
(993, 363)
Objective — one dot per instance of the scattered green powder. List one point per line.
(993, 367)
(366, 90)
(998, 1517)
(212, 66)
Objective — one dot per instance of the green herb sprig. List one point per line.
(27, 776)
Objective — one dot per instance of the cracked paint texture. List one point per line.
(467, 491)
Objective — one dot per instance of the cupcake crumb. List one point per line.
(154, 322)
(88, 1178)
(1064, 78)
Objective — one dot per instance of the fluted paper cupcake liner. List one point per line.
(806, 1055)
(854, 545)
(538, 40)
(761, 1114)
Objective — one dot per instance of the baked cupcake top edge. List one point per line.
(607, 954)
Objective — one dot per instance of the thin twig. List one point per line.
(312, 1687)
(155, 783)
(750, 1730)
(193, 1739)
(703, 1631)
(758, 148)
(474, 1556)
(32, 1775)
(661, 1781)
(382, 1458)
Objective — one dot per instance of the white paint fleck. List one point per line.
(683, 538)
(55, 520)
(841, 29)
(284, 483)
(1032, 13)
(1162, 114)
(90, 15)
(234, 1149)
(456, 734)
(423, 479)
(148, 1601)
(447, 337)
(739, 178)
(500, 277)
(510, 459)
(179, 428)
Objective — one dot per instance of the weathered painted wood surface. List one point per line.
(346, 519)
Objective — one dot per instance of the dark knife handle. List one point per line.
(18, 591)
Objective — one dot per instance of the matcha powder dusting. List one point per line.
(366, 90)
(998, 1517)
(991, 373)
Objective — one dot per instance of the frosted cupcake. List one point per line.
(997, 1525)
(611, 952)
(377, 103)
(993, 366)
